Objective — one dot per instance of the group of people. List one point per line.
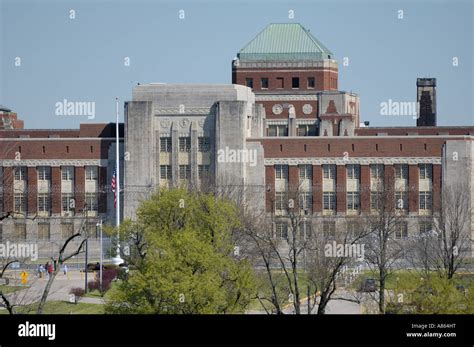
(48, 268)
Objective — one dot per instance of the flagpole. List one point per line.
(117, 260)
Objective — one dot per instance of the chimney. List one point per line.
(426, 98)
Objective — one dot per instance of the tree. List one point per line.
(183, 262)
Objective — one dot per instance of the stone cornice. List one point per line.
(176, 111)
(53, 162)
(286, 97)
(354, 160)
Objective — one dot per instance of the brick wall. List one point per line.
(413, 192)
(341, 174)
(270, 187)
(317, 188)
(32, 191)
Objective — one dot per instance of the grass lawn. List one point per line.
(10, 289)
(60, 307)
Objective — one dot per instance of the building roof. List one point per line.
(284, 41)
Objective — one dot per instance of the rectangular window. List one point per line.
(425, 227)
(91, 173)
(277, 130)
(184, 144)
(329, 201)
(43, 231)
(329, 171)
(401, 233)
(311, 83)
(20, 231)
(44, 173)
(165, 144)
(280, 83)
(203, 171)
(305, 229)
(401, 171)
(20, 173)
(306, 202)
(249, 82)
(307, 130)
(401, 200)
(376, 171)
(295, 82)
(67, 230)
(353, 201)
(353, 171)
(281, 231)
(203, 144)
(91, 202)
(375, 201)
(281, 172)
(44, 203)
(264, 81)
(425, 200)
(68, 204)
(67, 173)
(426, 171)
(280, 204)
(329, 229)
(165, 172)
(20, 203)
(306, 172)
(184, 172)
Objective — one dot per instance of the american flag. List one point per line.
(113, 185)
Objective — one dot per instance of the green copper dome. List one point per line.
(288, 41)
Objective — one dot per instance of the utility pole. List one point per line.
(99, 225)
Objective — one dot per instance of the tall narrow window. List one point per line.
(264, 82)
(311, 83)
(249, 82)
(295, 82)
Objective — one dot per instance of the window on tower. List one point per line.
(264, 82)
(295, 82)
(311, 83)
(249, 82)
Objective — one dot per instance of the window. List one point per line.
(249, 82)
(425, 227)
(91, 202)
(44, 173)
(425, 200)
(264, 82)
(184, 144)
(375, 201)
(329, 201)
(43, 231)
(203, 144)
(20, 231)
(305, 229)
(280, 83)
(281, 231)
(306, 172)
(426, 171)
(165, 144)
(67, 230)
(329, 229)
(44, 203)
(311, 83)
(401, 171)
(353, 201)
(280, 204)
(67, 173)
(68, 204)
(203, 171)
(329, 171)
(277, 130)
(353, 171)
(307, 130)
(281, 172)
(295, 82)
(91, 173)
(20, 173)
(376, 171)
(401, 232)
(165, 172)
(20, 203)
(401, 200)
(184, 172)
(306, 202)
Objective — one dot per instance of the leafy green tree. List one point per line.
(182, 258)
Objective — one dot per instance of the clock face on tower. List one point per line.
(277, 109)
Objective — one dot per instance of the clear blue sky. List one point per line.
(82, 59)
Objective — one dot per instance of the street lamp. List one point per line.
(117, 260)
(99, 225)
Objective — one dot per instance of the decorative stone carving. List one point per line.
(277, 109)
(165, 123)
(184, 122)
(307, 109)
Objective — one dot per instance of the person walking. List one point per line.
(50, 270)
(65, 269)
(46, 267)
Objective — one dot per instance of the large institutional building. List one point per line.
(282, 125)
